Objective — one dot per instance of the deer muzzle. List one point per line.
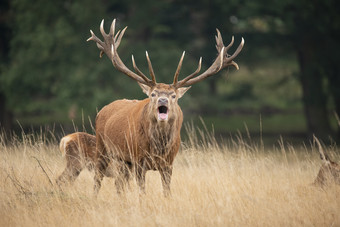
(162, 109)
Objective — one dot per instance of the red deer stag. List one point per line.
(144, 135)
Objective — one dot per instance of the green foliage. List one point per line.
(53, 73)
(49, 71)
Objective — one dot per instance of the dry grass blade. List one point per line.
(49, 179)
(17, 184)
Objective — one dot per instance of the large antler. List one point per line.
(110, 45)
(222, 61)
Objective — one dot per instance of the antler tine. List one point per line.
(112, 28)
(118, 64)
(113, 53)
(137, 69)
(238, 50)
(116, 35)
(219, 41)
(178, 69)
(223, 60)
(150, 68)
(229, 60)
(109, 46)
(105, 36)
(94, 38)
(99, 43)
(230, 44)
(192, 75)
(120, 36)
(102, 28)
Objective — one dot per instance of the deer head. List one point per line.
(163, 97)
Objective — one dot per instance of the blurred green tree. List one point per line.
(50, 72)
(5, 112)
(312, 28)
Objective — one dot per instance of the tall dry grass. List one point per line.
(234, 183)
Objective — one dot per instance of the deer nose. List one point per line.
(162, 101)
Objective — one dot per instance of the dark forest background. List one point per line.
(288, 83)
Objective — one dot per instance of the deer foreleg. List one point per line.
(123, 176)
(166, 173)
(69, 175)
(140, 172)
(72, 170)
(101, 166)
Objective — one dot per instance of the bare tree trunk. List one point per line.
(314, 97)
(334, 87)
(6, 117)
(5, 114)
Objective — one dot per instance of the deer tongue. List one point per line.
(162, 116)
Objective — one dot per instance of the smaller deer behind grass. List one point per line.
(79, 150)
(329, 172)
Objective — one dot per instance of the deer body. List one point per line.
(129, 131)
(127, 128)
(79, 150)
(145, 135)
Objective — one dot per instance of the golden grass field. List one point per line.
(233, 184)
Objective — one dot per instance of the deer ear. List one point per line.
(145, 88)
(181, 91)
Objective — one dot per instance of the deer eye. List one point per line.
(174, 96)
(153, 94)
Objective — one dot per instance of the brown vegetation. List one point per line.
(229, 184)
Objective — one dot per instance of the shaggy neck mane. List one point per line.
(160, 134)
(161, 137)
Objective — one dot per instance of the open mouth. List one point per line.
(162, 113)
